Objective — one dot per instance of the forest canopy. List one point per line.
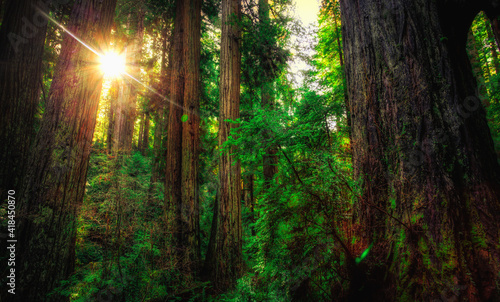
(227, 150)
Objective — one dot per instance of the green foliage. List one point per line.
(303, 227)
(118, 247)
(298, 234)
(485, 58)
(302, 217)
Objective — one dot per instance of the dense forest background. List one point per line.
(162, 150)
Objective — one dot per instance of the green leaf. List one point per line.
(184, 118)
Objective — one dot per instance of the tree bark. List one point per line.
(2, 10)
(54, 183)
(341, 60)
(248, 198)
(145, 135)
(123, 114)
(225, 262)
(159, 147)
(141, 133)
(495, 26)
(158, 173)
(423, 149)
(182, 204)
(135, 60)
(111, 124)
(22, 39)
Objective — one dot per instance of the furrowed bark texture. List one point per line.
(21, 48)
(423, 149)
(54, 183)
(183, 137)
(225, 255)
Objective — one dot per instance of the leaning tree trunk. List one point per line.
(224, 263)
(423, 149)
(21, 47)
(55, 177)
(183, 137)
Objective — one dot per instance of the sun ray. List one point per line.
(113, 65)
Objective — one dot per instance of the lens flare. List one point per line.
(112, 64)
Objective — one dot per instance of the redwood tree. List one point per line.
(21, 47)
(224, 257)
(160, 105)
(55, 177)
(181, 197)
(423, 150)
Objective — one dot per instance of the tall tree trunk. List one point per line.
(111, 118)
(2, 10)
(183, 137)
(248, 198)
(135, 60)
(495, 25)
(341, 61)
(141, 133)
(143, 142)
(122, 115)
(225, 261)
(158, 173)
(145, 135)
(55, 177)
(22, 38)
(424, 151)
